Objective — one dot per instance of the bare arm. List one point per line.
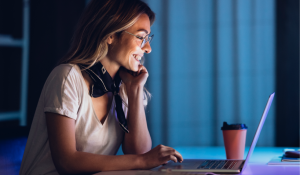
(67, 160)
(138, 140)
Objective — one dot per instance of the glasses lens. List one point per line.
(150, 39)
(143, 43)
(146, 39)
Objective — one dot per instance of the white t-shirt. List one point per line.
(66, 93)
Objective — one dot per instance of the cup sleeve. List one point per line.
(61, 92)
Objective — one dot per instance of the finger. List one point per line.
(164, 148)
(173, 158)
(140, 70)
(167, 152)
(171, 151)
(179, 156)
(166, 158)
(159, 147)
(167, 148)
(144, 69)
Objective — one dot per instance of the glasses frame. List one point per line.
(144, 39)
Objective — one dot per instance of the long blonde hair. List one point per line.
(101, 19)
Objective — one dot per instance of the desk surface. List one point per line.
(257, 164)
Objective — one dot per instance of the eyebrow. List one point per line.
(144, 30)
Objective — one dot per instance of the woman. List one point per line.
(79, 122)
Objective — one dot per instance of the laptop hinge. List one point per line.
(242, 165)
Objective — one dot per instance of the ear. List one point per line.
(110, 39)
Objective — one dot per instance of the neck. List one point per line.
(110, 66)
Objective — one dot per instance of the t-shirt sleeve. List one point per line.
(62, 91)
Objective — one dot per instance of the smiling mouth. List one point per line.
(137, 57)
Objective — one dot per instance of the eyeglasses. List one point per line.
(146, 39)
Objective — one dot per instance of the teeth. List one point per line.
(137, 57)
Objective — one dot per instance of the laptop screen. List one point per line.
(261, 123)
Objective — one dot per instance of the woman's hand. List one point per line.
(130, 78)
(160, 155)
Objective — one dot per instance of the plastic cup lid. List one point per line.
(233, 126)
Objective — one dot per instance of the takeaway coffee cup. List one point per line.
(234, 136)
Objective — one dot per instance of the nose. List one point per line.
(147, 48)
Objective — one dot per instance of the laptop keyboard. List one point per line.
(217, 164)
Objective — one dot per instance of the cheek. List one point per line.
(129, 50)
(124, 53)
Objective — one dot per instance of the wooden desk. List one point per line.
(257, 164)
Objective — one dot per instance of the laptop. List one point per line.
(218, 166)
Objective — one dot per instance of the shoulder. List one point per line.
(64, 75)
(63, 72)
(63, 90)
(66, 70)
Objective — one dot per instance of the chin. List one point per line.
(134, 65)
(134, 69)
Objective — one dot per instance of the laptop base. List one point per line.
(194, 165)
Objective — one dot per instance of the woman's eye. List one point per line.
(140, 37)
